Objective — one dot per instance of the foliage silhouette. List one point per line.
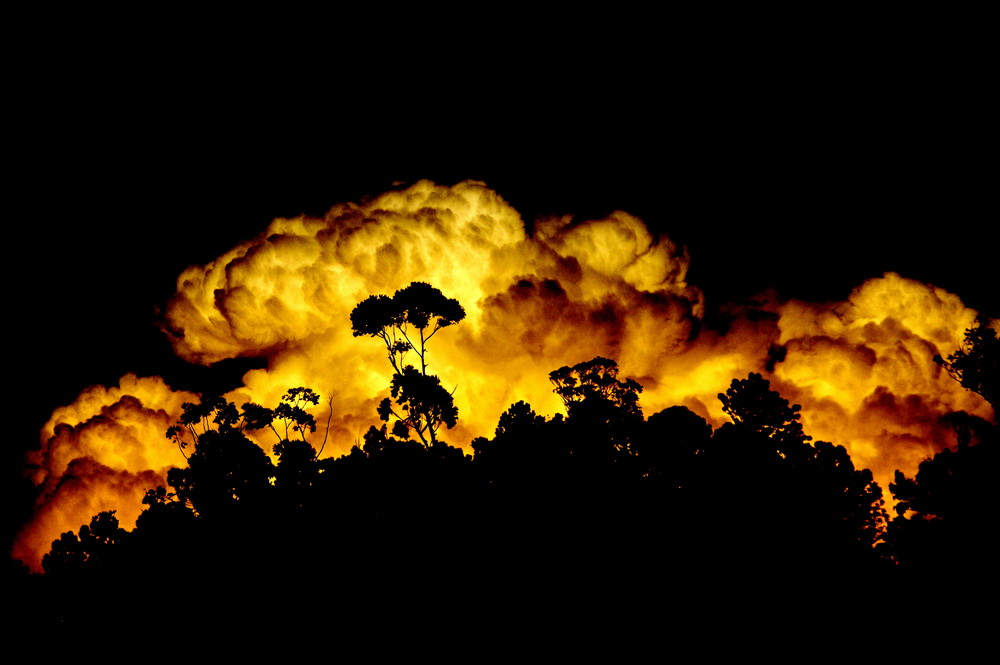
(977, 364)
(671, 446)
(228, 473)
(603, 412)
(93, 546)
(594, 380)
(752, 404)
(943, 512)
(406, 322)
(215, 414)
(570, 507)
(808, 501)
(292, 414)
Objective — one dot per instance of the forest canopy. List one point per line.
(609, 493)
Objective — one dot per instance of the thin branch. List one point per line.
(407, 337)
(423, 351)
(181, 449)
(329, 403)
(437, 327)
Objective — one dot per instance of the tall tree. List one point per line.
(405, 323)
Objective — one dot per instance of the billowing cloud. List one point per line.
(569, 291)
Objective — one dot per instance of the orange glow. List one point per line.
(100, 453)
(861, 369)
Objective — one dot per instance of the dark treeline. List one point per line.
(600, 512)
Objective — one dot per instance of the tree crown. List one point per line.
(977, 364)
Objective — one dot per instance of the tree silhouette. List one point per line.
(292, 414)
(525, 454)
(406, 322)
(945, 512)
(808, 502)
(977, 364)
(574, 506)
(94, 545)
(596, 380)
(227, 471)
(602, 409)
(165, 513)
(296, 471)
(752, 404)
(671, 446)
(216, 414)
